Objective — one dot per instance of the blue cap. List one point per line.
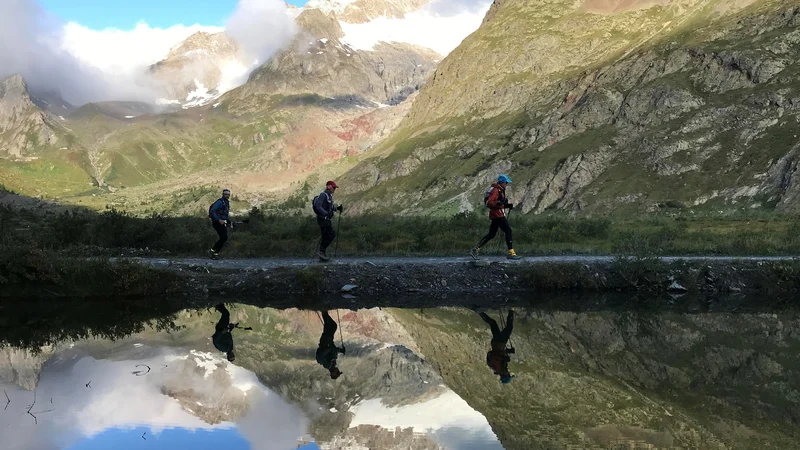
(505, 379)
(503, 179)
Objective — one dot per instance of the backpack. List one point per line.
(314, 202)
(210, 208)
(486, 196)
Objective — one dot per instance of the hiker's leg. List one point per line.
(492, 233)
(222, 232)
(505, 335)
(503, 224)
(329, 325)
(225, 320)
(492, 324)
(331, 234)
(327, 232)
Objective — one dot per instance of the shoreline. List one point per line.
(202, 278)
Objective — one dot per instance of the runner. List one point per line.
(497, 202)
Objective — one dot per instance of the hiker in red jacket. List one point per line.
(497, 358)
(497, 203)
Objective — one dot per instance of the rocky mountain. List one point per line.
(23, 125)
(318, 62)
(598, 106)
(586, 379)
(607, 379)
(193, 72)
(215, 399)
(314, 103)
(23, 367)
(279, 350)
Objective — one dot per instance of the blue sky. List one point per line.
(125, 14)
(124, 439)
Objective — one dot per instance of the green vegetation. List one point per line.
(85, 233)
(31, 325)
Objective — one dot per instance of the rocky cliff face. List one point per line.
(631, 107)
(318, 62)
(22, 367)
(23, 126)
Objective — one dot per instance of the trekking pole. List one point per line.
(336, 248)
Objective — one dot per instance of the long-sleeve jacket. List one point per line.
(497, 202)
(327, 353)
(220, 209)
(323, 205)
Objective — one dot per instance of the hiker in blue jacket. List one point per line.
(223, 338)
(218, 213)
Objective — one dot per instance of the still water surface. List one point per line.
(410, 378)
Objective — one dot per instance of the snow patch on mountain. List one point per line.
(329, 6)
(445, 418)
(425, 28)
(200, 96)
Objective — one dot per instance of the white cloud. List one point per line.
(121, 51)
(440, 25)
(261, 28)
(87, 65)
(119, 400)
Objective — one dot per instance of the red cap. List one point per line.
(331, 183)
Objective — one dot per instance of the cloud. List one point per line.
(119, 400)
(116, 51)
(87, 65)
(261, 28)
(440, 26)
(448, 8)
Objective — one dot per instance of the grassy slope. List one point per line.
(578, 379)
(457, 150)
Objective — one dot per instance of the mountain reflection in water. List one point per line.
(411, 379)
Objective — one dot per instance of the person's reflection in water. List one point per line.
(223, 339)
(497, 358)
(327, 352)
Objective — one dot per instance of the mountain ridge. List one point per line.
(572, 141)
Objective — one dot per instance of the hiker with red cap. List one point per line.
(324, 209)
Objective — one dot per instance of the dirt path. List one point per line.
(272, 263)
(393, 276)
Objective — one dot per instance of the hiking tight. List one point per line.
(501, 223)
(224, 321)
(497, 335)
(222, 232)
(329, 328)
(328, 233)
